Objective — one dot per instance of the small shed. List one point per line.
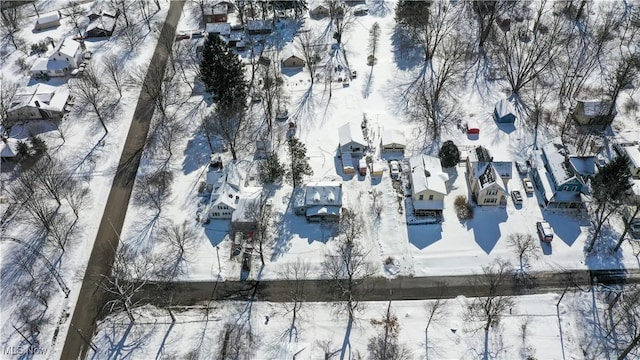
(8, 148)
(504, 113)
(319, 11)
(347, 164)
(48, 20)
(292, 61)
(362, 166)
(393, 141)
(473, 128)
(594, 112)
(377, 169)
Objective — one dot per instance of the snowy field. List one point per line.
(534, 327)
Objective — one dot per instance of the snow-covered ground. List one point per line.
(449, 248)
(91, 159)
(532, 327)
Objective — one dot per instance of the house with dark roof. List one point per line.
(487, 178)
(598, 113)
(562, 179)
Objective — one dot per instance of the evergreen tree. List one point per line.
(449, 154)
(223, 73)
(271, 170)
(299, 163)
(608, 188)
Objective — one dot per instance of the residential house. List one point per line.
(599, 113)
(393, 140)
(351, 139)
(68, 50)
(218, 12)
(257, 27)
(102, 24)
(428, 185)
(319, 11)
(487, 178)
(244, 218)
(632, 152)
(226, 190)
(223, 29)
(322, 201)
(52, 68)
(39, 101)
(563, 180)
(504, 113)
(48, 20)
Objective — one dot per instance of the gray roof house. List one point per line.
(562, 179)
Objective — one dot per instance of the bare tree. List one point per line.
(261, 214)
(271, 92)
(12, 14)
(436, 311)
(116, 71)
(91, 90)
(347, 267)
(341, 18)
(234, 342)
(525, 246)
(487, 13)
(154, 188)
(310, 48)
(230, 125)
(623, 76)
(628, 317)
(296, 273)
(525, 52)
(488, 310)
(181, 242)
(385, 345)
(629, 213)
(8, 90)
(75, 12)
(130, 273)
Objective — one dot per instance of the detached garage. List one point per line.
(504, 113)
(393, 141)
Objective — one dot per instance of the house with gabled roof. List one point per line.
(68, 50)
(487, 178)
(102, 24)
(632, 152)
(351, 139)
(393, 140)
(226, 184)
(598, 113)
(48, 20)
(428, 185)
(322, 201)
(39, 101)
(562, 179)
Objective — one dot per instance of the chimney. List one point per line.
(37, 103)
(53, 44)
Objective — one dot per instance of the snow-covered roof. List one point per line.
(427, 174)
(393, 136)
(323, 194)
(258, 25)
(47, 97)
(351, 133)
(67, 47)
(323, 210)
(555, 155)
(8, 148)
(48, 18)
(479, 154)
(583, 165)
(44, 64)
(104, 22)
(633, 153)
(489, 177)
(596, 107)
(288, 51)
(247, 196)
(219, 28)
(504, 107)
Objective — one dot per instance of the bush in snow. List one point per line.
(463, 208)
(449, 154)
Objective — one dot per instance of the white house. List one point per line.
(351, 139)
(68, 50)
(52, 68)
(48, 20)
(633, 154)
(39, 101)
(393, 141)
(428, 185)
(226, 186)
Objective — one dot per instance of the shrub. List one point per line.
(449, 154)
(463, 208)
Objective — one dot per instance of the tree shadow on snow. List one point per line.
(405, 52)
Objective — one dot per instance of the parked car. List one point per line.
(182, 36)
(522, 168)
(516, 196)
(528, 185)
(395, 169)
(87, 55)
(545, 232)
(354, 74)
